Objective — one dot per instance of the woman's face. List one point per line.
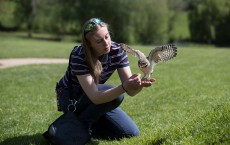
(100, 41)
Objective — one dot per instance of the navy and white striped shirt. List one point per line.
(116, 58)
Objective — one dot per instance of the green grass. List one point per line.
(188, 104)
(18, 45)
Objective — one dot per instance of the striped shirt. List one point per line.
(116, 58)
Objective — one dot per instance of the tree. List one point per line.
(63, 18)
(177, 9)
(32, 14)
(222, 29)
(26, 12)
(7, 20)
(131, 21)
(209, 22)
(152, 25)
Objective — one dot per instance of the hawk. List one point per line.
(158, 54)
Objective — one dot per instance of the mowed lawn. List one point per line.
(188, 104)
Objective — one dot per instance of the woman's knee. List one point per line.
(115, 102)
(134, 132)
(118, 100)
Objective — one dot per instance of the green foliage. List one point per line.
(188, 104)
(7, 9)
(22, 12)
(209, 22)
(62, 17)
(180, 29)
(131, 21)
(153, 19)
(222, 28)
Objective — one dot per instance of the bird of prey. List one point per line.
(158, 54)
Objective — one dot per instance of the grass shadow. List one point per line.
(43, 38)
(157, 142)
(36, 139)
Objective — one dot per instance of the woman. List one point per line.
(97, 104)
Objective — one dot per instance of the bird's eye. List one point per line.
(144, 66)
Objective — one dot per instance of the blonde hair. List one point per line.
(95, 66)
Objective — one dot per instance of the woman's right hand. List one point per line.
(133, 83)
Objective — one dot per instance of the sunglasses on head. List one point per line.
(89, 26)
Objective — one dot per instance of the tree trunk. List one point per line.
(31, 17)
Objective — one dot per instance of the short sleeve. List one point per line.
(78, 63)
(124, 61)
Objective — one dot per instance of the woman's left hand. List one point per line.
(147, 82)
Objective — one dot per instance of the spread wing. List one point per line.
(163, 53)
(132, 51)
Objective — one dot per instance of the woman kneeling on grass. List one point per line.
(91, 65)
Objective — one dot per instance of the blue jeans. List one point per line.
(105, 120)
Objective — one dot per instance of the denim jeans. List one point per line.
(105, 120)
